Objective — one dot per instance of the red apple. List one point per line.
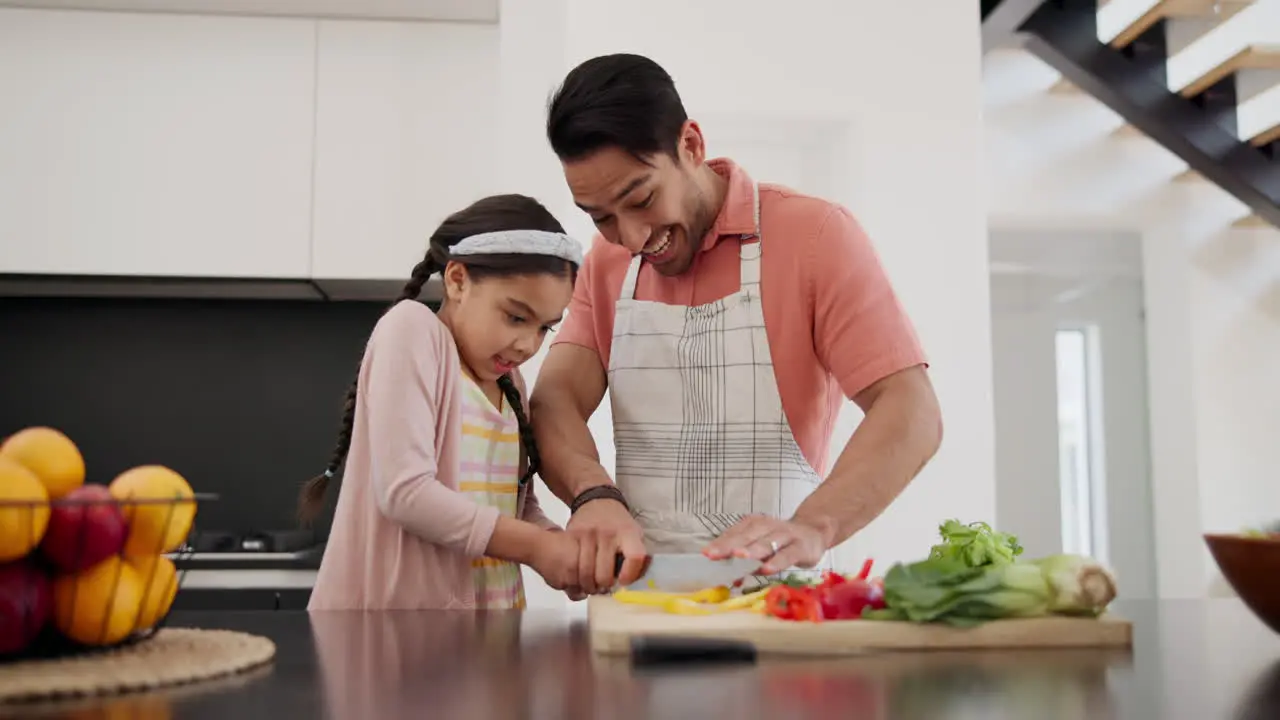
(86, 526)
(25, 601)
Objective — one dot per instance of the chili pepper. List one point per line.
(831, 579)
(865, 572)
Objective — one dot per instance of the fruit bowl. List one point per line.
(1251, 565)
(85, 566)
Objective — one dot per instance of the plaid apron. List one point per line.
(700, 436)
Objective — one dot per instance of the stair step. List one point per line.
(1251, 221)
(1266, 137)
(1126, 20)
(1253, 57)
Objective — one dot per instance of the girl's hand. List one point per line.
(555, 558)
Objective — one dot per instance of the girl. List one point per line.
(437, 510)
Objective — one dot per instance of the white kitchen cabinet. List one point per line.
(134, 144)
(404, 136)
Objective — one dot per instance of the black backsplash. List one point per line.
(241, 397)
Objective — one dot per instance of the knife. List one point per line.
(659, 650)
(688, 572)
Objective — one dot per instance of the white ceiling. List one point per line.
(483, 11)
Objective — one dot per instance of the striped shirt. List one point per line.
(489, 465)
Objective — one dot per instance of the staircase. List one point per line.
(1187, 92)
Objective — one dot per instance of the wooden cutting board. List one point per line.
(612, 625)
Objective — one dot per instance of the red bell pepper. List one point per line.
(831, 579)
(846, 599)
(793, 603)
(836, 597)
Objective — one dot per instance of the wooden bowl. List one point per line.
(1252, 567)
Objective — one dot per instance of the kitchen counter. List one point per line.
(1191, 659)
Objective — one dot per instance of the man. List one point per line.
(726, 319)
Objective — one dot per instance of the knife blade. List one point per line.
(688, 572)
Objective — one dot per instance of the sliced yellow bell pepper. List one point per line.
(742, 602)
(685, 606)
(711, 595)
(646, 597)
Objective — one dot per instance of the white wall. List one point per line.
(1054, 280)
(1226, 283)
(1210, 330)
(1212, 334)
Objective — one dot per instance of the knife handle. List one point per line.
(648, 650)
(617, 564)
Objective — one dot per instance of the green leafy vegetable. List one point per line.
(975, 544)
(949, 590)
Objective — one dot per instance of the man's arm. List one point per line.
(571, 384)
(532, 511)
(863, 338)
(900, 433)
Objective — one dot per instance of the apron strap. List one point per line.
(750, 252)
(629, 282)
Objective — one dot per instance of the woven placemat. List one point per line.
(173, 656)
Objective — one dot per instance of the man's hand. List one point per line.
(604, 528)
(798, 544)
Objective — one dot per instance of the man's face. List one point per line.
(655, 208)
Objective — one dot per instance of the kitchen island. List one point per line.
(1191, 659)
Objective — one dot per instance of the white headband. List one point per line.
(521, 242)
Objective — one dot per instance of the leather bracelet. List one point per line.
(598, 492)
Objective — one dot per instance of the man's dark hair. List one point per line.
(623, 101)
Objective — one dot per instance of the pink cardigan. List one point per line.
(403, 536)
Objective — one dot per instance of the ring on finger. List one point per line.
(774, 547)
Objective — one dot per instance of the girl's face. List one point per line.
(501, 322)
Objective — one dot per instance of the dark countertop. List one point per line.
(1191, 659)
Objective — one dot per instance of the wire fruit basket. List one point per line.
(93, 568)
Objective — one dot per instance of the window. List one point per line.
(1080, 467)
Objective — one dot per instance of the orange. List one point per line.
(21, 526)
(50, 455)
(99, 605)
(159, 586)
(154, 527)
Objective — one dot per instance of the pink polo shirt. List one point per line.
(834, 323)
